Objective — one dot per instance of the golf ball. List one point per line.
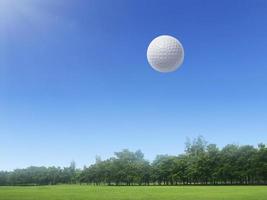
(165, 53)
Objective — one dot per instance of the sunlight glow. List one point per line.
(23, 14)
(11, 10)
(7, 6)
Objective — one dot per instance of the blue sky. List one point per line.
(75, 82)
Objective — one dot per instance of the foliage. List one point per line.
(202, 163)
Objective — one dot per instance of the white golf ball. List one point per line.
(165, 53)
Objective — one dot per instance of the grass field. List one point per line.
(76, 192)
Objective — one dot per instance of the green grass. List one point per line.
(76, 192)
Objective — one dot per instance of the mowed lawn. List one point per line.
(76, 192)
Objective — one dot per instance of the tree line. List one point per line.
(201, 163)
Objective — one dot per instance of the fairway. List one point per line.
(76, 192)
